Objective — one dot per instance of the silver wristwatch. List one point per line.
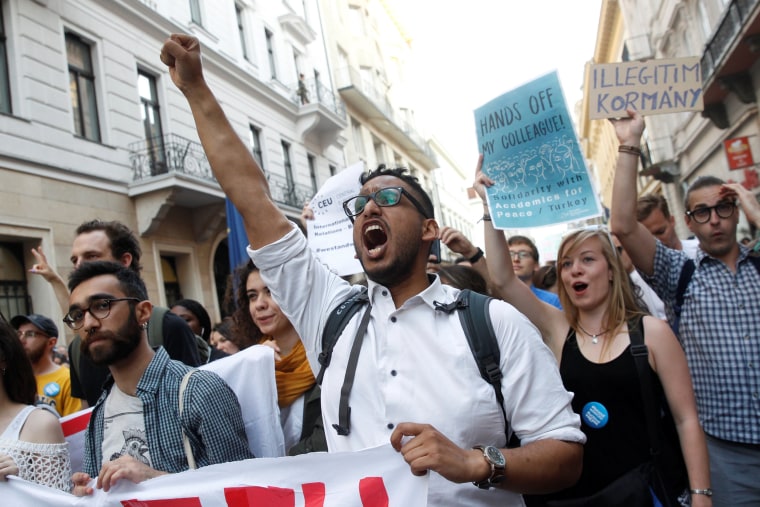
(496, 461)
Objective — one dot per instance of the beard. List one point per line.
(35, 355)
(114, 346)
(397, 271)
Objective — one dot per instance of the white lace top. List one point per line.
(46, 464)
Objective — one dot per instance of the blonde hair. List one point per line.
(622, 305)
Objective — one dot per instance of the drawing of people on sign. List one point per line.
(530, 150)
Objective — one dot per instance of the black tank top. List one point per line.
(622, 443)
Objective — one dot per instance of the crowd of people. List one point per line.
(633, 354)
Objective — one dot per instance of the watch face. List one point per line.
(495, 456)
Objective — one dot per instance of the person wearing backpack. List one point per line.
(714, 306)
(400, 371)
(112, 241)
(594, 339)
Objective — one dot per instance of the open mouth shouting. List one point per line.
(579, 288)
(375, 239)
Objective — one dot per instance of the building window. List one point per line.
(241, 30)
(355, 21)
(288, 166)
(172, 288)
(195, 12)
(356, 131)
(82, 88)
(254, 135)
(14, 297)
(5, 85)
(151, 118)
(379, 150)
(333, 170)
(313, 172)
(270, 53)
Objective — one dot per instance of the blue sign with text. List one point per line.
(531, 152)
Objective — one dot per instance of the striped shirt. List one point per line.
(211, 418)
(720, 333)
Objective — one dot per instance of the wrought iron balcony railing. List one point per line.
(736, 16)
(286, 191)
(170, 153)
(175, 154)
(312, 90)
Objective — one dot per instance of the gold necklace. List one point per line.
(594, 337)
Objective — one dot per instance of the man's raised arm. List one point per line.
(636, 239)
(231, 162)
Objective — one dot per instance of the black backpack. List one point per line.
(477, 326)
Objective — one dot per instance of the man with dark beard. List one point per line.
(416, 385)
(124, 439)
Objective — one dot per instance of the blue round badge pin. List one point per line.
(595, 415)
(51, 389)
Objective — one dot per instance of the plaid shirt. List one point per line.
(720, 333)
(211, 418)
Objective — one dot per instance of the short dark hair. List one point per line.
(463, 277)
(412, 181)
(646, 204)
(129, 280)
(524, 240)
(700, 183)
(122, 239)
(17, 376)
(200, 313)
(545, 277)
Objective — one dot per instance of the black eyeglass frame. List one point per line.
(76, 324)
(709, 210)
(371, 196)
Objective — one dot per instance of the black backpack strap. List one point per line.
(683, 282)
(335, 325)
(478, 329)
(640, 353)
(344, 411)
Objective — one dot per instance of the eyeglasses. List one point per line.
(702, 215)
(389, 196)
(25, 335)
(99, 308)
(520, 254)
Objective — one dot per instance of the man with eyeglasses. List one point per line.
(111, 241)
(415, 383)
(524, 255)
(136, 429)
(39, 336)
(719, 324)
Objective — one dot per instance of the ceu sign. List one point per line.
(649, 87)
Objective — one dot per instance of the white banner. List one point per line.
(377, 477)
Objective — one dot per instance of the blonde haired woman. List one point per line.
(591, 341)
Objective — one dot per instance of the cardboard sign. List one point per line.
(649, 87)
(531, 152)
(738, 153)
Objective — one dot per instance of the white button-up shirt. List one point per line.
(415, 366)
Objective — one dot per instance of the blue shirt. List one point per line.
(720, 333)
(546, 296)
(211, 419)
